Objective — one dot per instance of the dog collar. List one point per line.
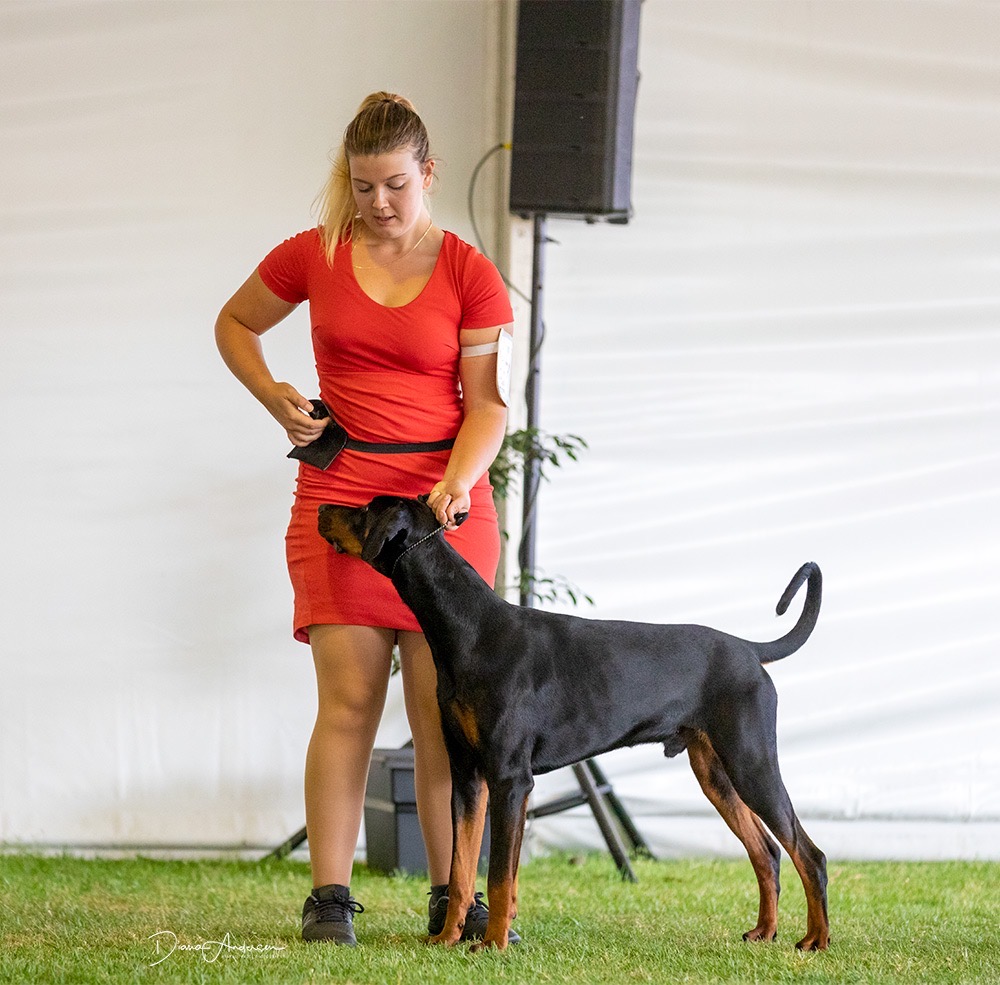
(416, 543)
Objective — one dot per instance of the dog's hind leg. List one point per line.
(750, 759)
(508, 811)
(468, 806)
(809, 862)
(765, 855)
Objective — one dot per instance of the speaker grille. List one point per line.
(574, 107)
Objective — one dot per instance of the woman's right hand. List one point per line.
(247, 315)
(291, 410)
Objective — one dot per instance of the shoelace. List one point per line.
(337, 909)
(477, 902)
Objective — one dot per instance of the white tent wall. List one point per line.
(152, 154)
(792, 353)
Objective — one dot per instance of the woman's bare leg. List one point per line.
(352, 676)
(432, 771)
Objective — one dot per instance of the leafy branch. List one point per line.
(531, 445)
(552, 589)
(520, 451)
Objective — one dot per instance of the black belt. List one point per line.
(380, 448)
(321, 452)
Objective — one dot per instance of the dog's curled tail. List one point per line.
(800, 632)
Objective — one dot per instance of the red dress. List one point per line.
(388, 375)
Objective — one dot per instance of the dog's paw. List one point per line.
(819, 941)
(444, 939)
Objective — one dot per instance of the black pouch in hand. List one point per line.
(321, 452)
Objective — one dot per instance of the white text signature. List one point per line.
(166, 942)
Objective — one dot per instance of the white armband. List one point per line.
(504, 348)
(480, 350)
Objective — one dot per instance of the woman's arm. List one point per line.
(481, 434)
(244, 318)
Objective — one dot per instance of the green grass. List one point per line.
(73, 920)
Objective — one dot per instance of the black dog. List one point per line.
(524, 691)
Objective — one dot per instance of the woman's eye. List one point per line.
(396, 188)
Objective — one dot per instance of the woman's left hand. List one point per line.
(447, 499)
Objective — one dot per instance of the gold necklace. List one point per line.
(382, 266)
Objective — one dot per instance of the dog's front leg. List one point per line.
(508, 811)
(468, 818)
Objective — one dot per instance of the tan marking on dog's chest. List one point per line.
(465, 718)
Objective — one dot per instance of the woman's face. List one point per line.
(389, 191)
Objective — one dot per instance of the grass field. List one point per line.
(145, 921)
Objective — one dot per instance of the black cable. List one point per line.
(472, 215)
(472, 188)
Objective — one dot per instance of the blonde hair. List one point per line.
(384, 123)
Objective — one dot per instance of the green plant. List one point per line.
(551, 589)
(520, 452)
(527, 445)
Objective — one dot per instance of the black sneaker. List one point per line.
(476, 918)
(437, 909)
(328, 915)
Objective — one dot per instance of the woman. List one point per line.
(393, 302)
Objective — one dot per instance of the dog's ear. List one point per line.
(422, 498)
(385, 539)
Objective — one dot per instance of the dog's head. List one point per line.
(379, 532)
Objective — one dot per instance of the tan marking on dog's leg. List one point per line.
(715, 784)
(502, 889)
(817, 920)
(501, 896)
(467, 845)
(809, 861)
(517, 860)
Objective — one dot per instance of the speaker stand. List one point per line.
(614, 821)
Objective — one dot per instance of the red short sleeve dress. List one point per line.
(388, 375)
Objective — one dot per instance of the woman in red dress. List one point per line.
(393, 302)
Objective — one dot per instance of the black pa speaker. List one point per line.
(574, 107)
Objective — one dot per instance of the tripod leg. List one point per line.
(618, 809)
(289, 846)
(604, 821)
